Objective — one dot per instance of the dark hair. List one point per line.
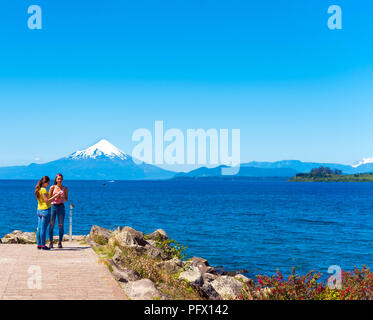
(40, 183)
(58, 175)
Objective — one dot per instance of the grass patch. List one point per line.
(166, 281)
(99, 239)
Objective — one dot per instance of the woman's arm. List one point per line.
(51, 189)
(66, 194)
(46, 200)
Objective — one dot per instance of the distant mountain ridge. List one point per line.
(299, 165)
(244, 172)
(104, 161)
(284, 168)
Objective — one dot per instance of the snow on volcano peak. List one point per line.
(102, 149)
(364, 161)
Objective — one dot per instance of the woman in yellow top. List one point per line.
(44, 210)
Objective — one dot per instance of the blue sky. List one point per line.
(273, 69)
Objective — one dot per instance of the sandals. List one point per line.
(50, 246)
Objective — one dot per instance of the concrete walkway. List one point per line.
(71, 273)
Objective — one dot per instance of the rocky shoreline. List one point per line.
(151, 267)
(154, 253)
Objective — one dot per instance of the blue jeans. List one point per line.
(43, 221)
(59, 211)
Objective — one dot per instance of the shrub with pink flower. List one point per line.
(356, 285)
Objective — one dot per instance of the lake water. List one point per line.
(258, 226)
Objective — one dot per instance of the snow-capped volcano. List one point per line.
(102, 161)
(361, 162)
(102, 149)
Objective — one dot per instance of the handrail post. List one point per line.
(71, 222)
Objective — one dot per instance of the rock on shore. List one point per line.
(18, 236)
(21, 237)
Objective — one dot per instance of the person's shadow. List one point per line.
(70, 249)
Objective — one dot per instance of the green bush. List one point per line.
(171, 247)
